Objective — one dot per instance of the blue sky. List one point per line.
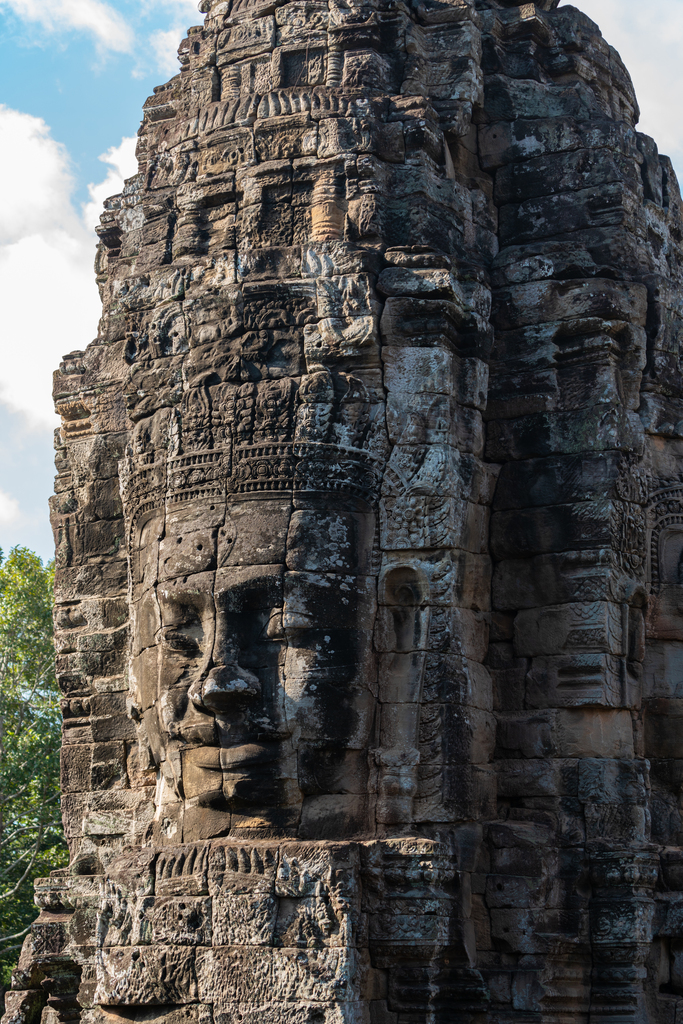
(74, 76)
(86, 66)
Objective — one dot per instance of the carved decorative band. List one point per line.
(327, 467)
(212, 457)
(305, 467)
(256, 469)
(194, 494)
(262, 467)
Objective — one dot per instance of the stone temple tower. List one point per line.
(369, 527)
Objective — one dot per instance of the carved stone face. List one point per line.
(253, 669)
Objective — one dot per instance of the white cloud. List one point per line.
(36, 183)
(122, 164)
(165, 48)
(47, 285)
(649, 37)
(9, 509)
(164, 42)
(110, 30)
(50, 306)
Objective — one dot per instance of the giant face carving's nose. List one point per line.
(227, 686)
(248, 615)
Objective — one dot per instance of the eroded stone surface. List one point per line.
(369, 526)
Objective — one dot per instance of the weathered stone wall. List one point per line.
(369, 525)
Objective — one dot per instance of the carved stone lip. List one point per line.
(250, 754)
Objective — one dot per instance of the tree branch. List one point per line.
(15, 889)
(17, 935)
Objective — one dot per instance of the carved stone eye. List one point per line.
(173, 639)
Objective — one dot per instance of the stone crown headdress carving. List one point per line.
(256, 440)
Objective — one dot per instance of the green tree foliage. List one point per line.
(31, 838)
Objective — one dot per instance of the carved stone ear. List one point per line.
(86, 863)
(404, 585)
(403, 618)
